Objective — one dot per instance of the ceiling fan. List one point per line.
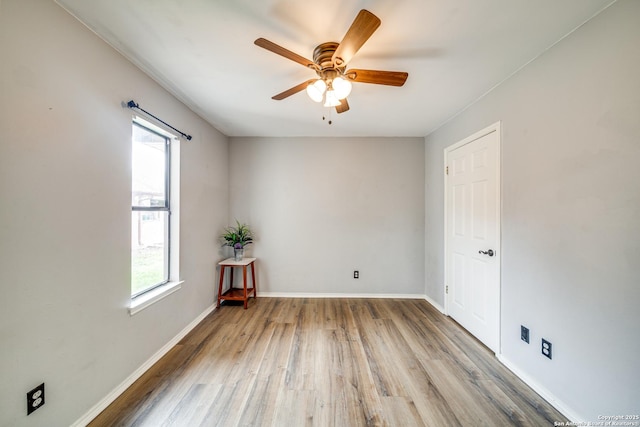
(330, 60)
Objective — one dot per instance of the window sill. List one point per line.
(143, 301)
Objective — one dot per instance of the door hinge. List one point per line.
(446, 289)
(446, 170)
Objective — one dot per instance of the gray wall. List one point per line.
(65, 216)
(571, 213)
(323, 207)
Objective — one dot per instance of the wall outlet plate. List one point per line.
(356, 274)
(546, 348)
(524, 334)
(35, 399)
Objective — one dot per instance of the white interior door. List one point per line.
(472, 253)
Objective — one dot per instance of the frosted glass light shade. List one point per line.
(316, 89)
(341, 87)
(331, 100)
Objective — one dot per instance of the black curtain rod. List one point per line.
(131, 104)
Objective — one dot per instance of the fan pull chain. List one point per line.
(324, 118)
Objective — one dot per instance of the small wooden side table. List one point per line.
(237, 294)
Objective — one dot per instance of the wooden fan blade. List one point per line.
(390, 78)
(361, 29)
(272, 47)
(287, 93)
(344, 106)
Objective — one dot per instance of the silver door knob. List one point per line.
(489, 252)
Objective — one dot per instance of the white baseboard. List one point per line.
(542, 391)
(435, 304)
(336, 295)
(113, 395)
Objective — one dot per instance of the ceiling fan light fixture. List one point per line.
(316, 89)
(341, 87)
(331, 100)
(330, 59)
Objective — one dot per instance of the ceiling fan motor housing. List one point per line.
(323, 58)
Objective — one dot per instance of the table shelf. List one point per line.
(236, 294)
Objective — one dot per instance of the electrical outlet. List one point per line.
(356, 274)
(524, 334)
(546, 348)
(35, 399)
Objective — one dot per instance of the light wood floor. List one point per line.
(328, 362)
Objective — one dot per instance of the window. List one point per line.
(151, 208)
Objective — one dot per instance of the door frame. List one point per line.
(497, 128)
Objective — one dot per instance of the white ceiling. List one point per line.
(455, 51)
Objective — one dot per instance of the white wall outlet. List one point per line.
(35, 399)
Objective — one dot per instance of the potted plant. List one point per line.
(237, 237)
